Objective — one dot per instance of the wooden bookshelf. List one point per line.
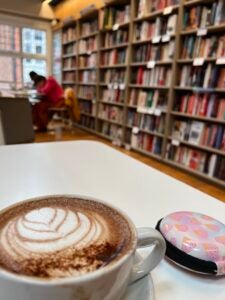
(87, 73)
(118, 77)
(69, 53)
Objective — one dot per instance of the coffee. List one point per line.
(60, 237)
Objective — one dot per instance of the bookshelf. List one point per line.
(159, 81)
(195, 140)
(153, 42)
(69, 53)
(88, 71)
(115, 24)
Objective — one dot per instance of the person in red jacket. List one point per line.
(51, 95)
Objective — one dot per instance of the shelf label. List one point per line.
(122, 86)
(151, 111)
(141, 109)
(115, 86)
(165, 38)
(115, 27)
(156, 39)
(151, 64)
(202, 31)
(135, 130)
(158, 112)
(175, 142)
(110, 86)
(220, 61)
(167, 10)
(89, 52)
(93, 101)
(199, 61)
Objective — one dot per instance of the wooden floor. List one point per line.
(191, 180)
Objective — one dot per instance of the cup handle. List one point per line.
(147, 237)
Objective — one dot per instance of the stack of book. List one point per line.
(88, 61)
(69, 63)
(87, 77)
(116, 56)
(148, 52)
(113, 76)
(204, 46)
(145, 7)
(210, 76)
(162, 26)
(69, 35)
(114, 15)
(202, 16)
(109, 112)
(88, 45)
(86, 121)
(200, 133)
(210, 164)
(87, 92)
(69, 77)
(70, 49)
(202, 105)
(147, 142)
(113, 95)
(145, 122)
(158, 76)
(113, 131)
(115, 38)
(88, 28)
(86, 107)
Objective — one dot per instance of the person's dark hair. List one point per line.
(33, 75)
(38, 79)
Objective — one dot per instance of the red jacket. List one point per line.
(52, 90)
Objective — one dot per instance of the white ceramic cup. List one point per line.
(107, 283)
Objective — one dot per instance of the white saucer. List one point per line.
(142, 289)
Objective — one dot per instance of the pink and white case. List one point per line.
(195, 241)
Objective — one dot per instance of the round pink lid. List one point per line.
(197, 235)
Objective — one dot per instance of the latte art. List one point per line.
(61, 237)
(49, 229)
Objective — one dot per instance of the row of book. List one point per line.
(201, 16)
(200, 133)
(204, 46)
(87, 107)
(69, 34)
(87, 121)
(112, 130)
(69, 63)
(158, 76)
(112, 95)
(206, 76)
(162, 26)
(148, 99)
(117, 37)
(210, 164)
(145, 122)
(88, 45)
(87, 92)
(114, 15)
(146, 7)
(89, 61)
(69, 77)
(109, 112)
(147, 52)
(147, 142)
(88, 76)
(202, 105)
(113, 76)
(115, 56)
(89, 27)
(70, 49)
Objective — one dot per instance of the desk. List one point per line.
(94, 169)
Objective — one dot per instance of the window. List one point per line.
(22, 49)
(57, 52)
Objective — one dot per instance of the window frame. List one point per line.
(26, 22)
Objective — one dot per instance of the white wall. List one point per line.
(28, 7)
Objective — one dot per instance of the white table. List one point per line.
(93, 169)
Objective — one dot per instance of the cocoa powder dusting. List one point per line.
(70, 263)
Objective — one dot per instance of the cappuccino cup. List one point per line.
(72, 248)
